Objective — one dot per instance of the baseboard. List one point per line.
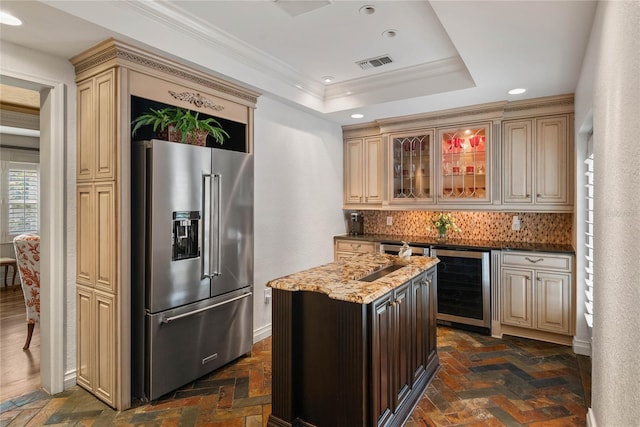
(69, 379)
(262, 333)
(581, 347)
(591, 419)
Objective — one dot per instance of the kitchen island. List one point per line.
(354, 342)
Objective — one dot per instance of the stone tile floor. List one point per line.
(482, 381)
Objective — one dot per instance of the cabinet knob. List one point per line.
(527, 195)
(398, 301)
(539, 279)
(538, 195)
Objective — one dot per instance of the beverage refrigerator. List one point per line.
(192, 262)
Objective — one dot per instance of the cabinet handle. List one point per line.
(354, 246)
(533, 260)
(426, 282)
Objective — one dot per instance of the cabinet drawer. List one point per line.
(354, 246)
(537, 260)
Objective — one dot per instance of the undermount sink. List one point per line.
(381, 273)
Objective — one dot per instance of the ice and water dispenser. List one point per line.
(185, 235)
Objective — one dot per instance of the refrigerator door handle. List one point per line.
(205, 261)
(200, 310)
(216, 271)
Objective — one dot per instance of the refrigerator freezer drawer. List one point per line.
(187, 343)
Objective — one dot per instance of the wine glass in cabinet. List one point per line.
(464, 160)
(410, 166)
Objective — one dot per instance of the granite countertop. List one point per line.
(462, 243)
(339, 280)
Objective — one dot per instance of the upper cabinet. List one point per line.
(363, 171)
(537, 166)
(464, 160)
(410, 168)
(502, 156)
(97, 148)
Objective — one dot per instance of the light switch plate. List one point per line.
(389, 220)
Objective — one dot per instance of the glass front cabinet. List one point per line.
(410, 168)
(464, 164)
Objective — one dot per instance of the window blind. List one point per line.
(589, 241)
(23, 197)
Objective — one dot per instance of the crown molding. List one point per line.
(192, 26)
(113, 52)
(423, 73)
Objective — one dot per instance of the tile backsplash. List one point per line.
(494, 226)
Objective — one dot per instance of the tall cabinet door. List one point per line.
(373, 170)
(517, 171)
(517, 297)
(552, 153)
(382, 361)
(353, 171)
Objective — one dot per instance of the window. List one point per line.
(21, 196)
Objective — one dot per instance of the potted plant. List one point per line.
(180, 125)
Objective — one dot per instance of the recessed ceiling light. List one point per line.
(299, 86)
(6, 18)
(357, 116)
(517, 91)
(367, 10)
(327, 79)
(348, 93)
(389, 33)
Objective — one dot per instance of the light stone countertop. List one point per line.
(338, 280)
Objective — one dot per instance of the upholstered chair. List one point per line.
(27, 247)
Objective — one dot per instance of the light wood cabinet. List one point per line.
(502, 156)
(410, 168)
(537, 292)
(536, 162)
(96, 319)
(363, 171)
(97, 146)
(108, 75)
(344, 249)
(96, 219)
(465, 164)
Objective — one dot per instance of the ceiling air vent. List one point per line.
(374, 62)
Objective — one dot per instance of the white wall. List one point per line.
(45, 70)
(614, 62)
(298, 196)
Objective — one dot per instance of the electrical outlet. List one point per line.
(389, 220)
(267, 295)
(515, 224)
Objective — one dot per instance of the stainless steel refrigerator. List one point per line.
(192, 262)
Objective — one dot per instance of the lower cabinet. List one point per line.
(537, 292)
(95, 351)
(344, 249)
(403, 343)
(345, 364)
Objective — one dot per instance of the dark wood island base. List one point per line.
(339, 363)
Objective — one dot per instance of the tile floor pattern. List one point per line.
(482, 381)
